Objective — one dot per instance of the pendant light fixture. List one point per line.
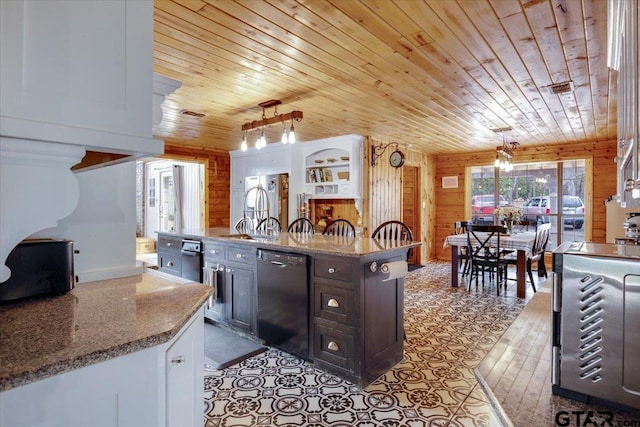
(261, 125)
(292, 134)
(504, 153)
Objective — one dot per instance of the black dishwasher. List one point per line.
(283, 301)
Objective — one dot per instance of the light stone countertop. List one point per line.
(304, 243)
(92, 323)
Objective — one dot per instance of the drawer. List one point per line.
(170, 262)
(213, 250)
(169, 243)
(240, 254)
(334, 269)
(334, 346)
(333, 303)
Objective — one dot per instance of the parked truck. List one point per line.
(538, 209)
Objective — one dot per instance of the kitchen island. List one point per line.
(355, 311)
(125, 351)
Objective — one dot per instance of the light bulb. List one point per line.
(243, 146)
(292, 134)
(284, 135)
(497, 162)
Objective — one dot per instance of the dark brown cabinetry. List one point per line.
(234, 269)
(356, 316)
(241, 303)
(214, 259)
(169, 256)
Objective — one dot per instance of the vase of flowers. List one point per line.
(510, 215)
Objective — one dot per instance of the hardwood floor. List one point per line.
(516, 375)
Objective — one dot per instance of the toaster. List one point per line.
(39, 267)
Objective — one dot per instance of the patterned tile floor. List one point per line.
(448, 331)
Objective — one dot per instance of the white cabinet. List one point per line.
(184, 367)
(127, 391)
(275, 158)
(342, 160)
(76, 90)
(238, 172)
(332, 168)
(78, 73)
(624, 53)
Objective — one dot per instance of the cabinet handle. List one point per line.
(333, 346)
(332, 270)
(228, 270)
(333, 303)
(170, 264)
(213, 251)
(169, 244)
(178, 361)
(239, 256)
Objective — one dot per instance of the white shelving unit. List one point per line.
(333, 168)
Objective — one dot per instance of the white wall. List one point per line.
(103, 225)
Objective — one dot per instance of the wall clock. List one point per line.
(396, 159)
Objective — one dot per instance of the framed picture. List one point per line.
(450, 181)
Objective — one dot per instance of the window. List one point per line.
(536, 188)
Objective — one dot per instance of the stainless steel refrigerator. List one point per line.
(277, 189)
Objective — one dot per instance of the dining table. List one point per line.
(521, 242)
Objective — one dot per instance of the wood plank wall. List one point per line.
(385, 192)
(451, 202)
(218, 169)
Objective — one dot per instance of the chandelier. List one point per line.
(541, 179)
(288, 137)
(504, 152)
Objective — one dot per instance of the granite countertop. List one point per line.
(92, 323)
(599, 249)
(304, 243)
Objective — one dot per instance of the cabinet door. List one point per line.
(118, 392)
(214, 308)
(241, 302)
(383, 332)
(185, 376)
(80, 65)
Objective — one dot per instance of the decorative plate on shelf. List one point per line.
(331, 160)
(319, 161)
(345, 158)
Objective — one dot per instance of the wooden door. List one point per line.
(411, 207)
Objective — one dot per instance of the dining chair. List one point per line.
(301, 225)
(487, 255)
(538, 250)
(270, 222)
(244, 225)
(393, 231)
(340, 227)
(523, 224)
(460, 227)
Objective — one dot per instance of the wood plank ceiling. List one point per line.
(441, 75)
